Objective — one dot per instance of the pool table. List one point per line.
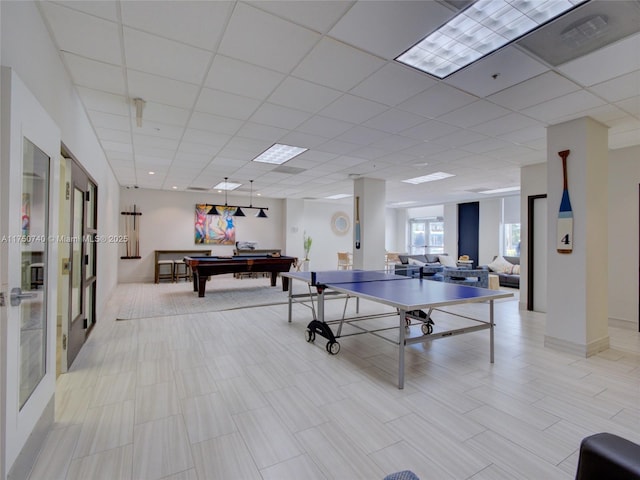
(204, 267)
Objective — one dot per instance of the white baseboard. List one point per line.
(585, 351)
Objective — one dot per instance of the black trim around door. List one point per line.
(530, 253)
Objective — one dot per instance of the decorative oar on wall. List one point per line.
(565, 215)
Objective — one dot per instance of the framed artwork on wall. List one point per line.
(214, 225)
(340, 223)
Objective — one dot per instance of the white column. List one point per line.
(372, 197)
(577, 288)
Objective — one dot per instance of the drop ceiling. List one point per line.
(223, 81)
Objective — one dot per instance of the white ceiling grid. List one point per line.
(224, 80)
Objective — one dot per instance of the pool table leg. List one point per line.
(202, 284)
(274, 276)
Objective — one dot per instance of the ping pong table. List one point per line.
(409, 296)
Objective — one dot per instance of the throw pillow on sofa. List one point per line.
(500, 265)
(447, 261)
(413, 261)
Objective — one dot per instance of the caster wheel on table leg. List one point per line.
(333, 348)
(309, 335)
(427, 328)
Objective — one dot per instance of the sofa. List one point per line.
(509, 277)
(410, 265)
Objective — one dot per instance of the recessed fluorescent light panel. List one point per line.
(480, 29)
(428, 178)
(338, 196)
(227, 186)
(501, 190)
(279, 153)
(402, 204)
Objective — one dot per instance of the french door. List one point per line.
(30, 145)
(82, 260)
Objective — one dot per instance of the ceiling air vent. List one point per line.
(198, 189)
(289, 170)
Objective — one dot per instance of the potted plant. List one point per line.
(307, 241)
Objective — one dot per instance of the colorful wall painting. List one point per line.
(26, 213)
(214, 225)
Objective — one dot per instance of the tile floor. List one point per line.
(240, 394)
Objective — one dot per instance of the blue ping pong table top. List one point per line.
(406, 292)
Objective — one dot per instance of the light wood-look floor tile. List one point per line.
(108, 465)
(241, 394)
(161, 448)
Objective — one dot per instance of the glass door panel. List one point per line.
(76, 253)
(33, 245)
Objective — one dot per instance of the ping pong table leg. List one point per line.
(401, 342)
(290, 299)
(491, 330)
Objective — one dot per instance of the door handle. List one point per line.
(17, 296)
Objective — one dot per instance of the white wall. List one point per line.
(533, 181)
(27, 48)
(490, 230)
(167, 223)
(624, 177)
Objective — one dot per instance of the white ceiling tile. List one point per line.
(349, 66)
(155, 142)
(394, 121)
(84, 34)
(429, 130)
(111, 135)
(563, 107)
(226, 104)
(263, 39)
(190, 160)
(485, 146)
(425, 150)
(303, 95)
(510, 66)
(324, 126)
(460, 138)
(474, 114)
(108, 120)
(338, 147)
(532, 92)
(278, 116)
(234, 76)
(525, 135)
(505, 124)
(361, 135)
(436, 101)
(354, 109)
(103, 101)
(153, 88)
(95, 75)
(206, 138)
(205, 20)
(158, 130)
(214, 123)
(261, 132)
(152, 54)
(393, 84)
(395, 142)
(300, 139)
(314, 14)
(117, 147)
(153, 153)
(387, 28)
(98, 8)
(631, 105)
(197, 148)
(608, 62)
(626, 86)
(162, 115)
